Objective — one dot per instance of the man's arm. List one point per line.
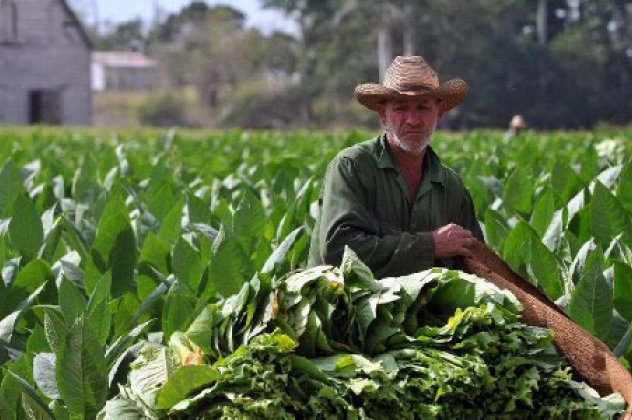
(346, 220)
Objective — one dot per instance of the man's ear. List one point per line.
(442, 108)
(381, 113)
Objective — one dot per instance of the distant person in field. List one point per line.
(516, 127)
(390, 199)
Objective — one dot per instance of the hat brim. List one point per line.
(451, 93)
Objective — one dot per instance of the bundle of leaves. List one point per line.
(334, 342)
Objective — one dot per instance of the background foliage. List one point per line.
(569, 70)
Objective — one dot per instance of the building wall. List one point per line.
(47, 54)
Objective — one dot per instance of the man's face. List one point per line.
(410, 122)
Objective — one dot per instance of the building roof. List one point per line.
(123, 59)
(82, 30)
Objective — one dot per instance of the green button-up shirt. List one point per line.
(366, 205)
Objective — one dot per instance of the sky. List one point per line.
(114, 11)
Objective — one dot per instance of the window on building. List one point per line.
(8, 21)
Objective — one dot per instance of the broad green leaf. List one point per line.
(607, 216)
(114, 247)
(100, 320)
(624, 192)
(516, 247)
(618, 250)
(120, 409)
(199, 211)
(496, 229)
(307, 366)
(80, 371)
(44, 375)
(85, 186)
(36, 341)
(624, 343)
(179, 311)
(543, 212)
(117, 346)
(15, 376)
(8, 322)
(170, 225)
(101, 292)
(124, 312)
(481, 197)
(187, 266)
(73, 238)
(160, 197)
(591, 301)
(544, 266)
(71, 301)
(155, 252)
(5, 409)
(589, 165)
(34, 410)
(564, 181)
(55, 329)
(249, 219)
(227, 265)
(279, 255)
(150, 301)
(33, 275)
(622, 298)
(10, 186)
(554, 231)
(518, 191)
(52, 241)
(184, 381)
(609, 176)
(35, 399)
(25, 229)
(199, 331)
(580, 225)
(154, 367)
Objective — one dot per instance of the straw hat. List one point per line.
(411, 76)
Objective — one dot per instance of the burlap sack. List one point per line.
(589, 357)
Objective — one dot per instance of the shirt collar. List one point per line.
(432, 163)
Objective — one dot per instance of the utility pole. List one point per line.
(156, 12)
(409, 30)
(385, 40)
(95, 16)
(541, 21)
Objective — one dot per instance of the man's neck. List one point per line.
(407, 162)
(410, 165)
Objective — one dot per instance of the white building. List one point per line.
(44, 64)
(113, 70)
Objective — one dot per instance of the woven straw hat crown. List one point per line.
(411, 76)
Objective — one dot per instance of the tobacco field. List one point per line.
(155, 274)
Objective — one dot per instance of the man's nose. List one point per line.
(414, 118)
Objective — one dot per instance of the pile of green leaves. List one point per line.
(334, 341)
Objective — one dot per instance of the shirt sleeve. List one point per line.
(346, 220)
(469, 218)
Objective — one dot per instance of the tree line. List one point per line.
(560, 63)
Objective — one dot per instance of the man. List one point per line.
(516, 126)
(390, 199)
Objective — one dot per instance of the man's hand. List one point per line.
(452, 241)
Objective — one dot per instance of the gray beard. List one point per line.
(414, 149)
